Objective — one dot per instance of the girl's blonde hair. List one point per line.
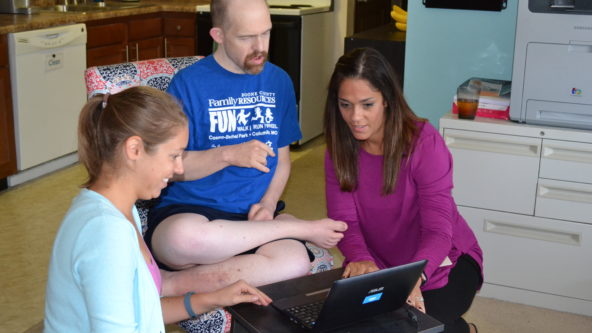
(106, 121)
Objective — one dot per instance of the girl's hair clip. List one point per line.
(105, 99)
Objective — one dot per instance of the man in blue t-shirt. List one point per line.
(242, 119)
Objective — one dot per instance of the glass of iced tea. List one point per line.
(467, 101)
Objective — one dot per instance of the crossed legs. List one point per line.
(207, 252)
(275, 261)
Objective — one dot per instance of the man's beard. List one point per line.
(254, 69)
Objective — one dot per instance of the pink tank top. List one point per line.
(153, 267)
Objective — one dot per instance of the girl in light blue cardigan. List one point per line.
(102, 277)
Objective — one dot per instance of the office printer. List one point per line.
(552, 73)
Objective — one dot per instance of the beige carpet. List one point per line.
(305, 192)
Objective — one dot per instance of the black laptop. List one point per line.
(353, 299)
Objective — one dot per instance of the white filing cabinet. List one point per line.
(526, 192)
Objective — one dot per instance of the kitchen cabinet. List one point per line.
(140, 37)
(145, 39)
(106, 43)
(179, 34)
(124, 39)
(7, 143)
(526, 191)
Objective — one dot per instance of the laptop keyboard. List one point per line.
(307, 314)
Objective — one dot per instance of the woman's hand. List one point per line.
(359, 267)
(415, 298)
(239, 292)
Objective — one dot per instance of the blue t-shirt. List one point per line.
(225, 108)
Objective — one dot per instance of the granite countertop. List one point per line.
(19, 22)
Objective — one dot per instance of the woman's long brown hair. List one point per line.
(400, 123)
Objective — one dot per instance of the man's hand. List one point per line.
(261, 212)
(359, 267)
(251, 154)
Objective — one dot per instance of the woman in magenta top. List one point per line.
(389, 176)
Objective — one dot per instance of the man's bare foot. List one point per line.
(325, 233)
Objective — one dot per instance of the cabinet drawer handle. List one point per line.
(495, 146)
(566, 194)
(554, 236)
(558, 153)
(166, 51)
(178, 27)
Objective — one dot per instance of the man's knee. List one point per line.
(288, 256)
(178, 235)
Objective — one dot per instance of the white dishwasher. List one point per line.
(48, 90)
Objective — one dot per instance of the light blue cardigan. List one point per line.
(98, 279)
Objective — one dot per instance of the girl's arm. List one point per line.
(174, 310)
(104, 262)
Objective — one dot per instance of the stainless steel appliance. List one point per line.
(47, 77)
(16, 7)
(301, 36)
(552, 76)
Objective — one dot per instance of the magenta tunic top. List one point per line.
(419, 220)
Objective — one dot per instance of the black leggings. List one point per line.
(449, 303)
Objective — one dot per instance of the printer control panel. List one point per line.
(560, 6)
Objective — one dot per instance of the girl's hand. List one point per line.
(415, 298)
(239, 292)
(359, 267)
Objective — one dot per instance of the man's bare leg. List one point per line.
(184, 240)
(276, 261)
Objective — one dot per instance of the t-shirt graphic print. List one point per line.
(249, 116)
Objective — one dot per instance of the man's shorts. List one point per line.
(157, 215)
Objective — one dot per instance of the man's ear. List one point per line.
(133, 147)
(217, 35)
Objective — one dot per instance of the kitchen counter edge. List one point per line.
(17, 22)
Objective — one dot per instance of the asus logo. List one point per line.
(375, 290)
